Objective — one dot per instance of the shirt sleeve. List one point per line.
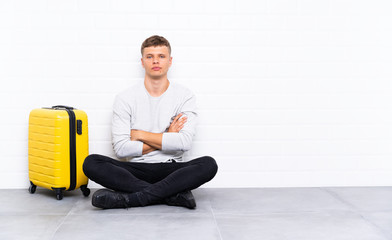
(182, 141)
(121, 131)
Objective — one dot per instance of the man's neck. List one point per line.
(156, 87)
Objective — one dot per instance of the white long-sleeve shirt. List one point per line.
(135, 108)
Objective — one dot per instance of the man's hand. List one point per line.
(178, 123)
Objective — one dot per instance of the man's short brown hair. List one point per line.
(155, 41)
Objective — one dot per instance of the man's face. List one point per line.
(156, 61)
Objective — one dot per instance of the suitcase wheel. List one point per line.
(32, 188)
(85, 190)
(59, 194)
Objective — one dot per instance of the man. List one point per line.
(153, 125)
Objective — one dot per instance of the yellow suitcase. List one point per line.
(58, 145)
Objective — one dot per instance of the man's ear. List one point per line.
(142, 62)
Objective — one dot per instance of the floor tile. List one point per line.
(297, 226)
(26, 227)
(166, 226)
(365, 198)
(43, 201)
(382, 220)
(275, 200)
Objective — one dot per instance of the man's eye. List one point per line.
(148, 57)
(162, 56)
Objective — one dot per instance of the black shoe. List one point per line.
(182, 199)
(106, 199)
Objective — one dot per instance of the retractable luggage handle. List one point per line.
(62, 106)
(70, 110)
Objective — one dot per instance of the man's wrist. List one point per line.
(140, 135)
(147, 148)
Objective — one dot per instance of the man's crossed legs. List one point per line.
(142, 184)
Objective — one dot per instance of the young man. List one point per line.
(153, 125)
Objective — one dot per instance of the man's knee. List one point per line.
(210, 166)
(89, 163)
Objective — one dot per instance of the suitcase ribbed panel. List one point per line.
(49, 149)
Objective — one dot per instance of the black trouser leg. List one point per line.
(113, 174)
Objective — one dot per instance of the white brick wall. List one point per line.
(291, 92)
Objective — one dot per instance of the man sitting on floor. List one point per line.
(153, 125)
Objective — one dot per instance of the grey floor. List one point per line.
(266, 213)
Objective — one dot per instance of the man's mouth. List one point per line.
(156, 68)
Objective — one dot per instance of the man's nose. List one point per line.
(155, 60)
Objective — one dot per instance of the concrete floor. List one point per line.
(265, 213)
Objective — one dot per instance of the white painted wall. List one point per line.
(291, 92)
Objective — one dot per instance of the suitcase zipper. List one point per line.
(72, 148)
(72, 144)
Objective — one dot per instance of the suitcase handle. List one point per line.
(62, 106)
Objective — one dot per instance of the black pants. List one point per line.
(150, 182)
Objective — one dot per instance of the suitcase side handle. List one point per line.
(62, 106)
